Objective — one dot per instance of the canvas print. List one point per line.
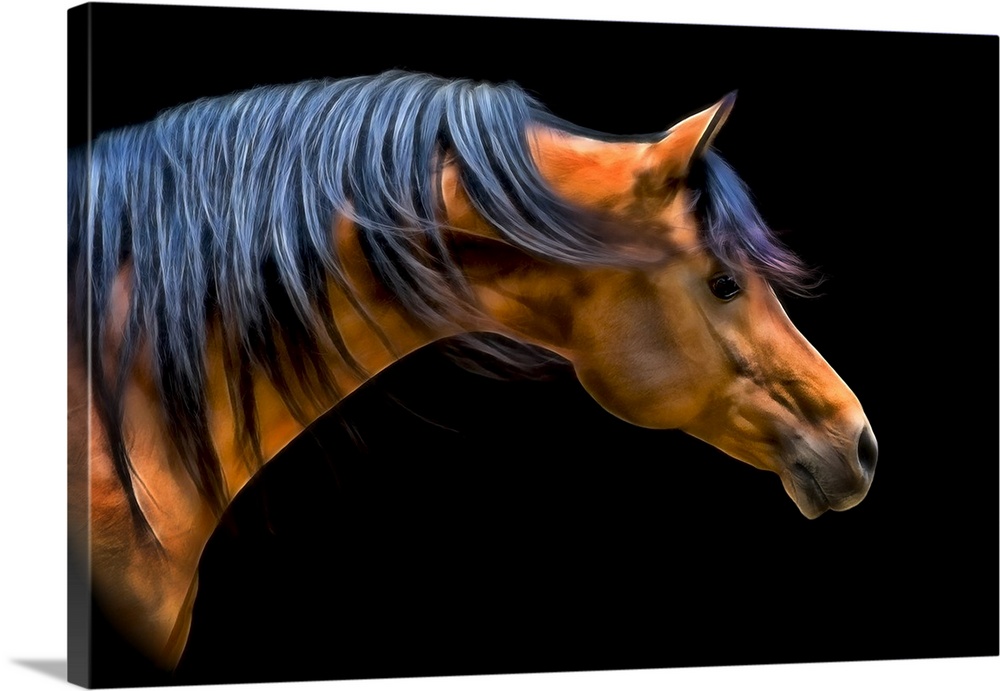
(557, 346)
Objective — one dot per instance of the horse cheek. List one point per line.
(650, 386)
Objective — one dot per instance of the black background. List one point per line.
(438, 522)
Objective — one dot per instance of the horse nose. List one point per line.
(867, 451)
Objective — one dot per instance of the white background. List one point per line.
(32, 337)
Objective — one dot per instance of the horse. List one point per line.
(240, 264)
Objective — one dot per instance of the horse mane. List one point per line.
(222, 211)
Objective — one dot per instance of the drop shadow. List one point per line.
(51, 668)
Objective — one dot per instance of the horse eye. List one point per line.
(724, 287)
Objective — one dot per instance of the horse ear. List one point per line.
(688, 140)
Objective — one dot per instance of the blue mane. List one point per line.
(222, 211)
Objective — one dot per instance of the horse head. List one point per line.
(696, 338)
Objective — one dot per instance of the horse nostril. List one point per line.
(867, 450)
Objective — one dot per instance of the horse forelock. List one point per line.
(731, 227)
(734, 231)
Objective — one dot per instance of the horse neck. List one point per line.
(376, 332)
(148, 591)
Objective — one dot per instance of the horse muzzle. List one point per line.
(837, 479)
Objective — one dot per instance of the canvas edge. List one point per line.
(79, 617)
